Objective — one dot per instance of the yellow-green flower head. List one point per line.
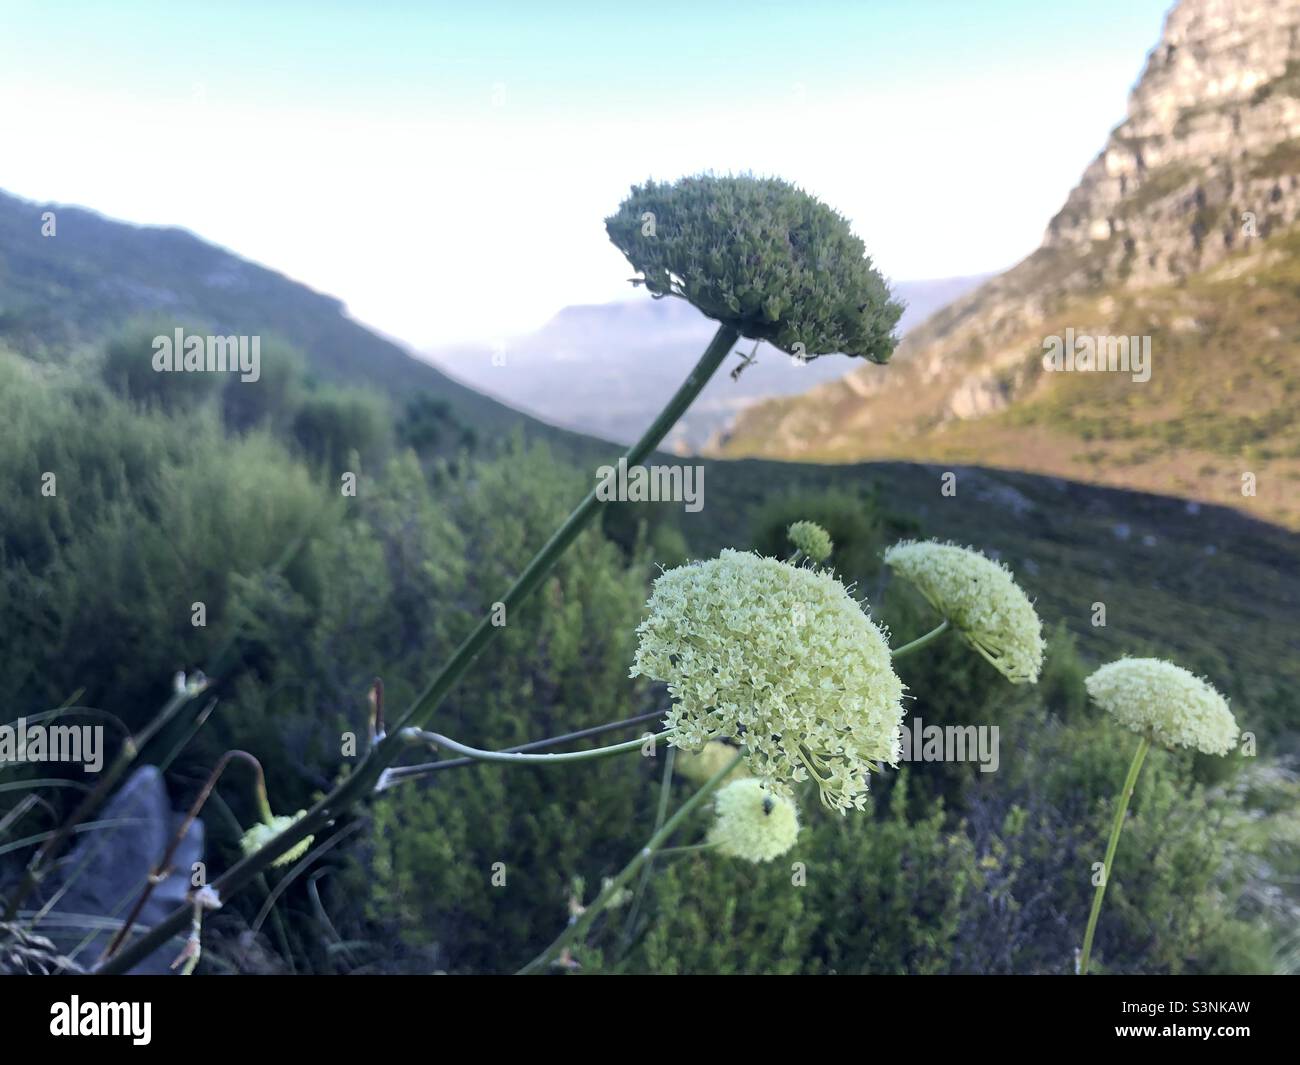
(699, 766)
(753, 822)
(262, 833)
(811, 539)
(1165, 703)
(982, 601)
(780, 658)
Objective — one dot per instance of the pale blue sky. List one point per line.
(444, 168)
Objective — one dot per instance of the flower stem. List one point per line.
(413, 772)
(359, 784)
(661, 815)
(579, 928)
(921, 641)
(514, 758)
(1121, 808)
(687, 849)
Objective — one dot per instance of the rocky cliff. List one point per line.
(1183, 229)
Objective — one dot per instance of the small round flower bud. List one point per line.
(752, 822)
(811, 539)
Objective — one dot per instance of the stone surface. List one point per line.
(118, 860)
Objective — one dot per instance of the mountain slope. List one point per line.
(69, 291)
(1182, 230)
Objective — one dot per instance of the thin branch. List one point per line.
(401, 773)
(436, 739)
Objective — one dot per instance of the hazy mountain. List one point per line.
(1183, 230)
(607, 369)
(65, 293)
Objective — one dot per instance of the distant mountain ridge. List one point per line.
(607, 369)
(1184, 229)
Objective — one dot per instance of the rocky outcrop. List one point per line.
(1204, 168)
(1205, 161)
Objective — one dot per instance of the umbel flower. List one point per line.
(263, 832)
(1165, 703)
(763, 257)
(782, 659)
(980, 598)
(752, 822)
(811, 539)
(699, 766)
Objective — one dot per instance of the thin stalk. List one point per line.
(43, 782)
(921, 641)
(88, 826)
(689, 848)
(1121, 808)
(579, 928)
(359, 784)
(400, 773)
(661, 815)
(83, 711)
(126, 755)
(299, 868)
(199, 721)
(510, 758)
(17, 813)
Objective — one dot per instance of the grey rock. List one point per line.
(117, 861)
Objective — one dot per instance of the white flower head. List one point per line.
(753, 822)
(1165, 703)
(982, 601)
(781, 659)
(262, 833)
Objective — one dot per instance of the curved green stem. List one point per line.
(661, 815)
(514, 758)
(402, 773)
(578, 929)
(1121, 808)
(921, 641)
(359, 784)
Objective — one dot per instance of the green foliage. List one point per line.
(273, 399)
(763, 257)
(948, 870)
(559, 664)
(128, 368)
(1040, 829)
(149, 516)
(332, 424)
(428, 425)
